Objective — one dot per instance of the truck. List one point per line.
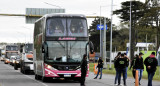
(26, 61)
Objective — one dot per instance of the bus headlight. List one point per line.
(50, 67)
(78, 68)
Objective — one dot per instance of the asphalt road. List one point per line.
(11, 77)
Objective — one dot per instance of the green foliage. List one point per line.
(137, 11)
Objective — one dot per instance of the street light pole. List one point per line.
(104, 44)
(29, 30)
(130, 29)
(111, 34)
(100, 33)
(52, 5)
(23, 35)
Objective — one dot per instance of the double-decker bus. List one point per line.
(10, 50)
(60, 41)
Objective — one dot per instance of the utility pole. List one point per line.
(111, 35)
(104, 44)
(100, 34)
(130, 30)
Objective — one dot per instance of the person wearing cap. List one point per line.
(151, 66)
(139, 66)
(121, 67)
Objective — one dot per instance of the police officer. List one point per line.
(83, 69)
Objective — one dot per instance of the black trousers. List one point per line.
(121, 70)
(133, 73)
(83, 78)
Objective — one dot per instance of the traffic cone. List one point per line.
(136, 79)
(95, 69)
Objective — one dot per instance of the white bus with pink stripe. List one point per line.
(60, 41)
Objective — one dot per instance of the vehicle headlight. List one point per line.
(17, 62)
(13, 61)
(78, 68)
(50, 67)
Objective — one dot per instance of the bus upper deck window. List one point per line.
(55, 27)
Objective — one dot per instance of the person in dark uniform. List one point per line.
(121, 63)
(127, 58)
(151, 66)
(83, 69)
(100, 67)
(133, 66)
(116, 67)
(139, 66)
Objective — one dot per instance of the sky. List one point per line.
(14, 29)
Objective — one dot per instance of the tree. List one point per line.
(151, 18)
(95, 34)
(120, 36)
(137, 12)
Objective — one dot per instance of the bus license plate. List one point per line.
(67, 75)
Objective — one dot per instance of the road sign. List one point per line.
(39, 12)
(102, 27)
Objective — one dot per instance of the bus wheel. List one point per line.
(37, 77)
(44, 79)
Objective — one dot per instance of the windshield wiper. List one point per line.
(61, 44)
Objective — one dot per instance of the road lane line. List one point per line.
(35, 80)
(27, 76)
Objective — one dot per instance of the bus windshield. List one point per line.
(11, 48)
(65, 51)
(66, 27)
(9, 54)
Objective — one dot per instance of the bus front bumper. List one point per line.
(63, 74)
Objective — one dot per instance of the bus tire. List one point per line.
(44, 79)
(37, 77)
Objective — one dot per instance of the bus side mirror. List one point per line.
(91, 46)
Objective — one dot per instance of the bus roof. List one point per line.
(62, 15)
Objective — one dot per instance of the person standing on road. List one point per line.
(151, 66)
(133, 65)
(139, 66)
(127, 58)
(116, 67)
(83, 69)
(100, 68)
(121, 65)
